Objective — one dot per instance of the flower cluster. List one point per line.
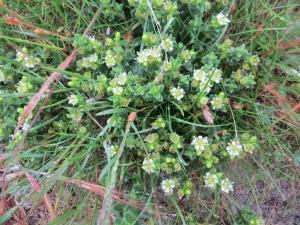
(27, 60)
(213, 180)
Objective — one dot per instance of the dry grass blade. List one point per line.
(281, 99)
(37, 187)
(289, 45)
(106, 208)
(54, 76)
(18, 21)
(100, 190)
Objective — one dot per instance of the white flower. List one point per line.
(121, 79)
(93, 57)
(117, 90)
(110, 60)
(155, 53)
(111, 150)
(73, 100)
(142, 56)
(216, 75)
(77, 117)
(27, 61)
(211, 180)
(234, 148)
(177, 93)
(200, 75)
(166, 66)
(20, 55)
(168, 185)
(148, 165)
(226, 185)
(95, 43)
(88, 62)
(200, 143)
(149, 55)
(23, 86)
(217, 103)
(222, 19)
(167, 45)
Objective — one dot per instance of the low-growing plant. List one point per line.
(176, 68)
(169, 77)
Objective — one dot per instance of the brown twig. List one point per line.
(292, 44)
(157, 211)
(270, 88)
(100, 190)
(37, 187)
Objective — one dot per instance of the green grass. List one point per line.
(268, 177)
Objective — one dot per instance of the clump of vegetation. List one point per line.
(177, 67)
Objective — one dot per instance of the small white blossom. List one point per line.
(148, 55)
(226, 185)
(111, 150)
(110, 60)
(217, 103)
(167, 45)
(200, 143)
(93, 57)
(148, 165)
(234, 148)
(73, 100)
(121, 79)
(94, 42)
(200, 75)
(117, 90)
(168, 185)
(89, 61)
(177, 93)
(166, 66)
(76, 116)
(23, 86)
(211, 180)
(222, 19)
(27, 61)
(142, 56)
(20, 55)
(216, 75)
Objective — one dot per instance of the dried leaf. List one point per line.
(236, 106)
(41, 31)
(13, 21)
(2, 4)
(131, 117)
(128, 37)
(207, 115)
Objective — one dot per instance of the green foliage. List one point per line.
(179, 65)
